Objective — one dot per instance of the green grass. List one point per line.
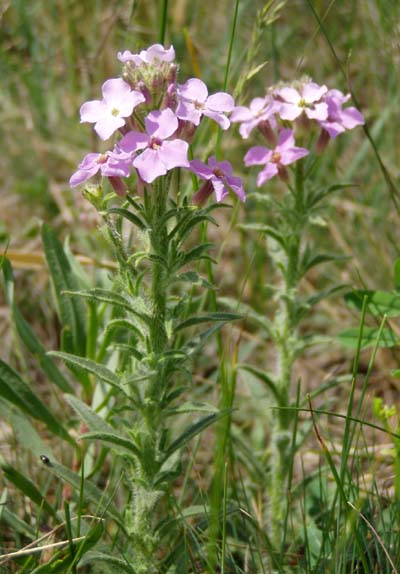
(342, 517)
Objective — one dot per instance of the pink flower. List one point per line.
(219, 178)
(340, 119)
(194, 102)
(159, 154)
(155, 53)
(275, 160)
(107, 163)
(108, 114)
(261, 110)
(306, 99)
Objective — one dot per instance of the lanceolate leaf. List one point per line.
(126, 214)
(27, 487)
(95, 422)
(114, 440)
(100, 371)
(193, 430)
(378, 302)
(211, 318)
(91, 493)
(17, 392)
(34, 345)
(262, 376)
(350, 337)
(115, 564)
(107, 296)
(72, 312)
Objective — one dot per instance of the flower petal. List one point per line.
(270, 170)
(312, 92)
(236, 184)
(161, 124)
(149, 165)
(257, 155)
(241, 114)
(106, 126)
(158, 52)
(114, 91)
(290, 111)
(351, 118)
(319, 112)
(134, 141)
(92, 111)
(218, 117)
(220, 102)
(219, 189)
(201, 169)
(187, 111)
(194, 90)
(174, 154)
(289, 95)
(293, 154)
(285, 140)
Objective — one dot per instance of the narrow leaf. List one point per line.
(96, 369)
(27, 487)
(114, 440)
(211, 317)
(17, 392)
(350, 337)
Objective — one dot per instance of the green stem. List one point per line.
(286, 343)
(146, 540)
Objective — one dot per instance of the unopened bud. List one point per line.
(283, 173)
(201, 196)
(322, 141)
(267, 131)
(118, 185)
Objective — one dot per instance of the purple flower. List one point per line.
(194, 101)
(275, 160)
(219, 178)
(107, 163)
(261, 110)
(159, 154)
(108, 114)
(306, 99)
(155, 53)
(340, 119)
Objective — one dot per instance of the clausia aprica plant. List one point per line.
(297, 121)
(156, 119)
(142, 193)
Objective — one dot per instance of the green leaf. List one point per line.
(263, 377)
(8, 279)
(267, 229)
(18, 525)
(211, 317)
(114, 440)
(117, 564)
(350, 337)
(27, 487)
(33, 344)
(378, 302)
(126, 214)
(94, 422)
(107, 296)
(72, 312)
(194, 254)
(91, 494)
(192, 407)
(193, 430)
(96, 369)
(14, 390)
(396, 274)
(247, 313)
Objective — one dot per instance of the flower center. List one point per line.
(302, 103)
(103, 158)
(155, 143)
(276, 157)
(218, 172)
(198, 105)
(114, 112)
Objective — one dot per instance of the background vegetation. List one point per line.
(54, 56)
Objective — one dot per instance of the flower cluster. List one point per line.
(289, 109)
(157, 118)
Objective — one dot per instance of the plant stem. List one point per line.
(286, 341)
(145, 496)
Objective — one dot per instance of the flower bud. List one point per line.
(118, 185)
(322, 141)
(201, 196)
(94, 194)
